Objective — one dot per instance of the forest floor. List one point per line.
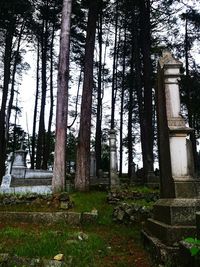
(104, 243)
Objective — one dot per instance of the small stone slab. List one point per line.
(73, 218)
(6, 181)
(89, 217)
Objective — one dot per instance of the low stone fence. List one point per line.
(42, 209)
(67, 217)
(7, 260)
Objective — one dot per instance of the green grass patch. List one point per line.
(48, 243)
(87, 201)
(105, 240)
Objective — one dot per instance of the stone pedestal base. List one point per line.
(173, 220)
(18, 172)
(159, 252)
(187, 187)
(114, 180)
(169, 234)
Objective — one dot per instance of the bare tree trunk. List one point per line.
(83, 150)
(7, 62)
(98, 135)
(48, 136)
(130, 117)
(114, 70)
(41, 132)
(33, 143)
(59, 171)
(147, 74)
(138, 81)
(122, 103)
(12, 90)
(190, 120)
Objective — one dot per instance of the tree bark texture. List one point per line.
(33, 143)
(7, 63)
(147, 80)
(188, 93)
(83, 150)
(48, 135)
(59, 171)
(41, 131)
(122, 103)
(138, 80)
(114, 71)
(98, 135)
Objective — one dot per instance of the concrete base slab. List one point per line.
(42, 189)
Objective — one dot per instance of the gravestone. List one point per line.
(174, 213)
(20, 179)
(19, 164)
(5, 184)
(114, 178)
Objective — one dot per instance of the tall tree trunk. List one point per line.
(7, 63)
(48, 136)
(33, 143)
(114, 70)
(147, 74)
(83, 150)
(14, 146)
(59, 171)
(12, 90)
(41, 131)
(190, 119)
(138, 81)
(130, 117)
(122, 102)
(98, 135)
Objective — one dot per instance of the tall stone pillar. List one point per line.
(173, 214)
(114, 178)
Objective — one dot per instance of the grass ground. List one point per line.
(103, 244)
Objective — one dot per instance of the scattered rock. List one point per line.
(7, 260)
(31, 197)
(64, 196)
(64, 205)
(59, 257)
(4, 257)
(115, 197)
(57, 201)
(82, 236)
(130, 213)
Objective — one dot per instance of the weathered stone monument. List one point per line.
(18, 169)
(174, 214)
(20, 179)
(114, 178)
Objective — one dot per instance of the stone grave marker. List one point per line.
(174, 214)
